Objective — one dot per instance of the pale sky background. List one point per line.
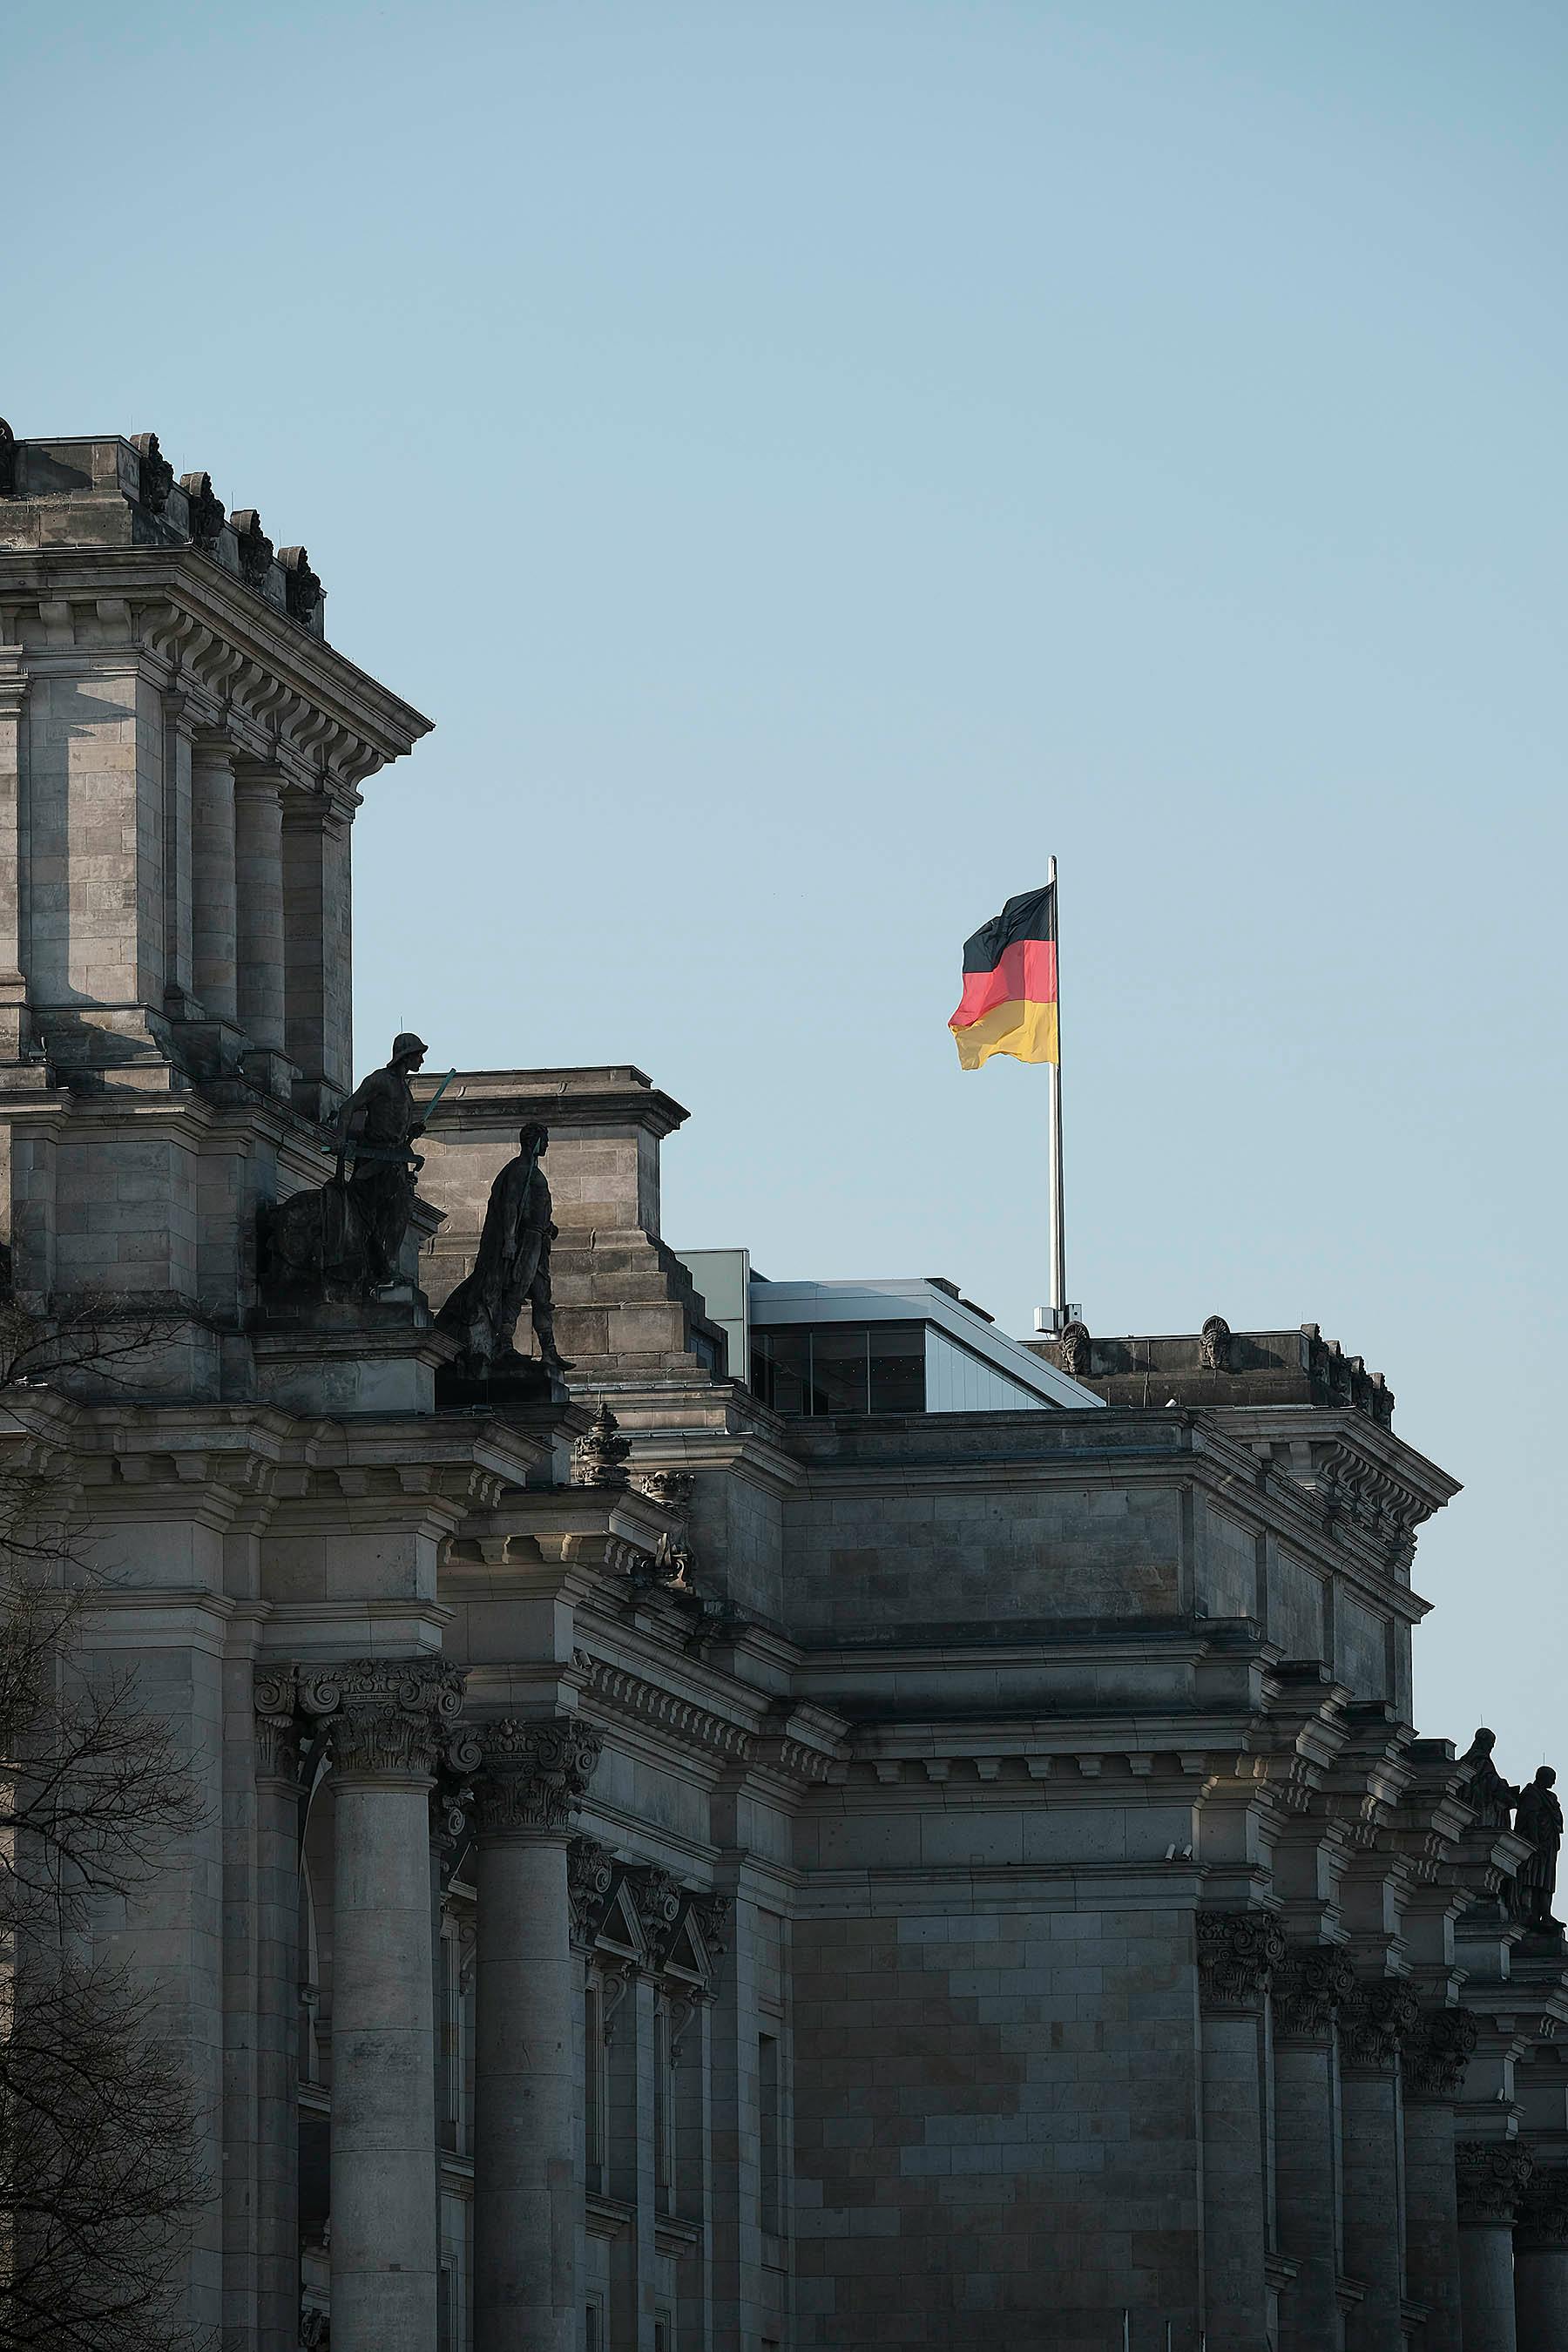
(815, 460)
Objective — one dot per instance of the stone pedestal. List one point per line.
(1490, 2176)
(1238, 1952)
(1307, 1991)
(388, 1720)
(1540, 2263)
(526, 2191)
(1374, 2023)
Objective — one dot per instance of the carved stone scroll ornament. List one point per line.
(1375, 2022)
(599, 1455)
(204, 510)
(1437, 2055)
(1491, 2177)
(1308, 1985)
(590, 1875)
(535, 1771)
(389, 1716)
(711, 1913)
(1542, 2226)
(275, 1694)
(1213, 1345)
(657, 1900)
(157, 474)
(1239, 1952)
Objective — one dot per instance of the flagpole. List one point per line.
(1054, 1148)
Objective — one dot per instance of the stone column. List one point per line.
(532, 1775)
(213, 943)
(1374, 2023)
(14, 859)
(179, 980)
(278, 1799)
(387, 1721)
(1540, 2263)
(318, 944)
(1307, 1991)
(1492, 2176)
(1237, 1953)
(1435, 2063)
(259, 898)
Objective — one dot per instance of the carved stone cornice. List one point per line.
(1438, 2054)
(384, 1718)
(1376, 2019)
(590, 1875)
(1239, 1952)
(1309, 1985)
(1542, 2223)
(535, 1771)
(1491, 2177)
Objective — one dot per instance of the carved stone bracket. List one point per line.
(1542, 2226)
(1438, 2053)
(534, 1773)
(385, 1716)
(590, 1875)
(1492, 2176)
(1309, 1985)
(1239, 1952)
(1375, 2022)
(658, 1898)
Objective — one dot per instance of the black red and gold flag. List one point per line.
(1010, 984)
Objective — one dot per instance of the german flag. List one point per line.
(1010, 984)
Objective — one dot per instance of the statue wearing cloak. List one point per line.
(1539, 1820)
(512, 1267)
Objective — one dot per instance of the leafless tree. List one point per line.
(99, 2177)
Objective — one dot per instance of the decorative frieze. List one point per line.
(1438, 2053)
(535, 1771)
(1239, 1952)
(1491, 2177)
(385, 1715)
(1375, 2022)
(1542, 2226)
(1309, 1985)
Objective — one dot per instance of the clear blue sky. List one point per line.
(815, 460)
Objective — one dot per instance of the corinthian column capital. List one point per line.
(385, 1718)
(535, 1771)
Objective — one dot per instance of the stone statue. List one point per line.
(1539, 1820)
(513, 1266)
(380, 1122)
(1492, 1797)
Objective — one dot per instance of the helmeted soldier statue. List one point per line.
(376, 1165)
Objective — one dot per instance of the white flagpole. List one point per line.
(1054, 1080)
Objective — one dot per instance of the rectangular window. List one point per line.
(780, 1368)
(838, 1369)
(898, 1367)
(593, 2328)
(770, 2212)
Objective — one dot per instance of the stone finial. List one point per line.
(206, 510)
(1375, 2022)
(157, 474)
(301, 588)
(1239, 1952)
(1491, 2177)
(590, 1875)
(390, 1716)
(1213, 1345)
(536, 1770)
(8, 461)
(599, 1455)
(1072, 1348)
(1438, 2053)
(255, 547)
(1541, 2225)
(1309, 1985)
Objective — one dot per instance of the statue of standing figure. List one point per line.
(1539, 1820)
(380, 1123)
(513, 1266)
(1492, 1797)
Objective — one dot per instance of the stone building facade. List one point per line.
(676, 1877)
